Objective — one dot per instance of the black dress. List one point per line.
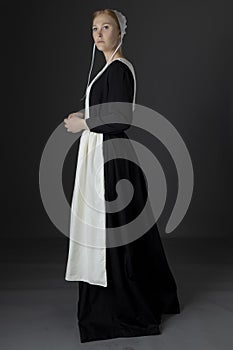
(141, 286)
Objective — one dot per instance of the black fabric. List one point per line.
(141, 286)
(116, 84)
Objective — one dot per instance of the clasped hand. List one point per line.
(75, 122)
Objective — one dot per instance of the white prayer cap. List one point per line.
(123, 25)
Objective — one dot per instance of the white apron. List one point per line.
(87, 244)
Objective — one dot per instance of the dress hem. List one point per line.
(121, 333)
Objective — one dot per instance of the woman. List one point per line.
(123, 290)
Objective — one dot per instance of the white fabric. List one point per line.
(87, 247)
(87, 262)
(122, 22)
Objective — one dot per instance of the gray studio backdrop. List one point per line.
(182, 54)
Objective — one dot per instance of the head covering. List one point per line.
(122, 23)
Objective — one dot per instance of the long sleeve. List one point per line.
(112, 117)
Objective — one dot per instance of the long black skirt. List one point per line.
(140, 285)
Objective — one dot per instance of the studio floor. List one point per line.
(38, 307)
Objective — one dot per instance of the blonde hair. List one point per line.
(110, 13)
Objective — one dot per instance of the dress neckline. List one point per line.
(104, 68)
(128, 63)
(118, 58)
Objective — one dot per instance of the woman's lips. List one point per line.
(100, 42)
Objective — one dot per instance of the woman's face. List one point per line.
(105, 33)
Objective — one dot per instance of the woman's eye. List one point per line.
(106, 27)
